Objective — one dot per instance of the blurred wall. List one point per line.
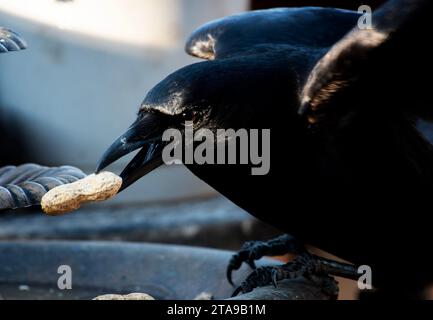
(88, 67)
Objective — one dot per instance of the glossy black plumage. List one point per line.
(350, 171)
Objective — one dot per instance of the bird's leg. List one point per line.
(304, 265)
(254, 250)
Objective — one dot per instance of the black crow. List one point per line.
(351, 171)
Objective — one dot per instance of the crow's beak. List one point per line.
(145, 133)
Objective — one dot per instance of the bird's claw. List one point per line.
(303, 265)
(251, 251)
(254, 250)
(274, 278)
(259, 277)
(234, 264)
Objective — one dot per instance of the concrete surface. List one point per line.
(214, 222)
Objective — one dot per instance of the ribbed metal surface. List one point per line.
(24, 185)
(10, 41)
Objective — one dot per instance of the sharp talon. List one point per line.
(237, 291)
(234, 264)
(274, 278)
(229, 275)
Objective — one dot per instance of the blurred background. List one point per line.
(88, 65)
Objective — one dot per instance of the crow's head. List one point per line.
(256, 64)
(231, 93)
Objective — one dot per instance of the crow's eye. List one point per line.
(190, 115)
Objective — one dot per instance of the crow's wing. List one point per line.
(301, 27)
(10, 41)
(382, 65)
